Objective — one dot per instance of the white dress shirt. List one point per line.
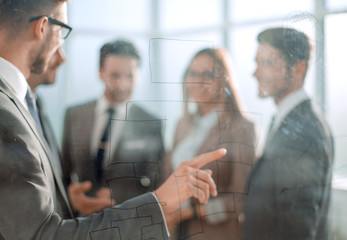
(100, 121)
(15, 79)
(187, 148)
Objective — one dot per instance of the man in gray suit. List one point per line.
(131, 164)
(289, 188)
(32, 193)
(45, 78)
(79, 201)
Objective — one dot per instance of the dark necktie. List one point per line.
(103, 145)
(33, 109)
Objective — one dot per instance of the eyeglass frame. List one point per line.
(206, 75)
(55, 22)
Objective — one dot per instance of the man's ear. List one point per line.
(40, 27)
(299, 69)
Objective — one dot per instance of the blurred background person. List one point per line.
(109, 142)
(218, 121)
(290, 186)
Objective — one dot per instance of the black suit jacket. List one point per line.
(137, 161)
(289, 188)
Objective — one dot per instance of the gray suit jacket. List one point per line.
(289, 188)
(32, 193)
(136, 164)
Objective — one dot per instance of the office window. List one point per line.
(337, 4)
(336, 85)
(109, 15)
(182, 14)
(248, 10)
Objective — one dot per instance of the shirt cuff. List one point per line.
(162, 213)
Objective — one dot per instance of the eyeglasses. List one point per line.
(207, 75)
(64, 32)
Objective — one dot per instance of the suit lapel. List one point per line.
(274, 138)
(27, 117)
(49, 135)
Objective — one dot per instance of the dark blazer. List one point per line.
(289, 188)
(230, 173)
(32, 193)
(136, 164)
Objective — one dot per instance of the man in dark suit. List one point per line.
(131, 164)
(31, 190)
(289, 188)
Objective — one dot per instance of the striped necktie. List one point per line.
(33, 109)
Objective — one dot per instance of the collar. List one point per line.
(287, 105)
(102, 105)
(14, 78)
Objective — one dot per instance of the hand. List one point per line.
(188, 181)
(88, 205)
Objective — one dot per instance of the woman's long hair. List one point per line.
(228, 94)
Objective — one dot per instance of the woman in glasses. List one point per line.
(216, 121)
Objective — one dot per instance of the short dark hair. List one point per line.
(293, 44)
(15, 14)
(119, 48)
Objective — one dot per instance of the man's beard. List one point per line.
(40, 60)
(38, 66)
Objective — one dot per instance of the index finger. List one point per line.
(206, 158)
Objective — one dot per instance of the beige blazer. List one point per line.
(237, 135)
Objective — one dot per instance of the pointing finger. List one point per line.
(206, 158)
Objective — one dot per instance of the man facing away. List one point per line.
(289, 187)
(131, 156)
(31, 190)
